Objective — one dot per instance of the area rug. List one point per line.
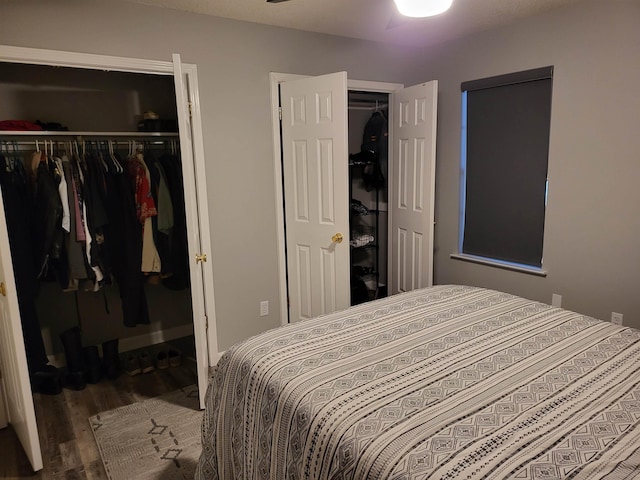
(157, 438)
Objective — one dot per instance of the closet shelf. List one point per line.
(52, 133)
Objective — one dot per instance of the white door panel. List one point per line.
(13, 360)
(192, 207)
(315, 170)
(412, 186)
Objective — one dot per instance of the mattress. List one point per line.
(448, 382)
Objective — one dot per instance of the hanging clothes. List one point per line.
(75, 253)
(87, 202)
(97, 218)
(18, 208)
(48, 221)
(126, 245)
(146, 209)
(62, 191)
(179, 252)
(164, 202)
(162, 223)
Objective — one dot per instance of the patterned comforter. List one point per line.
(441, 383)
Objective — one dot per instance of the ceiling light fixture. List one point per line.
(422, 8)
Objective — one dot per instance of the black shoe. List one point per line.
(93, 364)
(75, 380)
(46, 380)
(76, 369)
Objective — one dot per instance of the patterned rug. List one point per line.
(158, 438)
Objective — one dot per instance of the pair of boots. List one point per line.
(84, 364)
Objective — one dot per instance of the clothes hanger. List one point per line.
(69, 147)
(46, 151)
(114, 160)
(100, 148)
(4, 151)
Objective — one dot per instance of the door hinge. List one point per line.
(280, 113)
(190, 109)
(206, 323)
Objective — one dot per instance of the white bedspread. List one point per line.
(442, 383)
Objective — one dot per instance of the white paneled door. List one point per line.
(13, 360)
(412, 186)
(315, 170)
(198, 236)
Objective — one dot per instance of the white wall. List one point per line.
(592, 230)
(234, 60)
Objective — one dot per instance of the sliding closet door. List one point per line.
(13, 359)
(197, 221)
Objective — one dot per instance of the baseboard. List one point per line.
(139, 341)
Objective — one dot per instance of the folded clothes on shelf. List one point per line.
(358, 208)
(361, 240)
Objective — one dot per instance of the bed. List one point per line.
(446, 382)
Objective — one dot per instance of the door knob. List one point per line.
(3, 289)
(337, 238)
(202, 258)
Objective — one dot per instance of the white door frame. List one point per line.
(275, 80)
(59, 58)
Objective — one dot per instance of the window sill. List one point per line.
(496, 263)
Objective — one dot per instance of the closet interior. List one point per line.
(368, 186)
(108, 259)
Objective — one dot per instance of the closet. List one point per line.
(104, 111)
(368, 181)
(100, 112)
(315, 132)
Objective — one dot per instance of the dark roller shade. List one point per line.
(507, 149)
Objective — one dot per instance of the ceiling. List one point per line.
(375, 20)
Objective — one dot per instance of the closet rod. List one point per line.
(32, 142)
(49, 133)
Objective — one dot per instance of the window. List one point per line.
(505, 148)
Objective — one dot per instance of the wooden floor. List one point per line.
(69, 450)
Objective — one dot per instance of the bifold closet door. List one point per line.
(13, 359)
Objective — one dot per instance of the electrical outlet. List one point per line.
(556, 300)
(616, 318)
(264, 308)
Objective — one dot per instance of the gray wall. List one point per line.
(234, 60)
(592, 230)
